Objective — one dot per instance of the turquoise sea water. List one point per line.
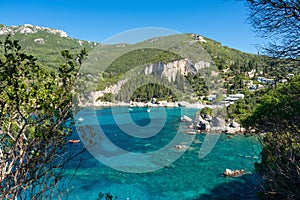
(189, 177)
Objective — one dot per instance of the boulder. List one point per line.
(186, 119)
(235, 124)
(204, 125)
(208, 118)
(233, 130)
(181, 147)
(198, 118)
(191, 132)
(233, 173)
(217, 124)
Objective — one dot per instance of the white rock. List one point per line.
(58, 32)
(5, 31)
(39, 40)
(231, 173)
(26, 30)
(28, 25)
(186, 119)
(235, 124)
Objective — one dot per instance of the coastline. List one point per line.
(185, 104)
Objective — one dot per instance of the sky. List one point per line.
(97, 20)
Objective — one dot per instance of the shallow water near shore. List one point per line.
(189, 177)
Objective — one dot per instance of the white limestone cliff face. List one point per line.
(171, 69)
(168, 71)
(114, 89)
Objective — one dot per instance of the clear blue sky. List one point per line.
(97, 20)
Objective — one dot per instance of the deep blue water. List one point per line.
(189, 177)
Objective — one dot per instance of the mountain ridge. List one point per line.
(44, 43)
(111, 61)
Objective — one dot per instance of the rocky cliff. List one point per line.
(168, 71)
(171, 69)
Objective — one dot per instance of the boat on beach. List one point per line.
(73, 141)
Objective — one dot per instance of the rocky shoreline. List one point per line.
(199, 124)
(138, 104)
(210, 124)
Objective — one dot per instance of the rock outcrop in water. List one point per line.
(216, 124)
(186, 119)
(233, 173)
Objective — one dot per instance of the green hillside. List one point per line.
(44, 43)
(232, 64)
(106, 64)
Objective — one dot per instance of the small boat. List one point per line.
(148, 110)
(80, 119)
(73, 141)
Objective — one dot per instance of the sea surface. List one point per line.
(188, 177)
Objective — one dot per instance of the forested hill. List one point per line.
(44, 43)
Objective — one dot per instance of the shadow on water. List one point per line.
(239, 188)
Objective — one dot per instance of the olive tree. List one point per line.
(35, 122)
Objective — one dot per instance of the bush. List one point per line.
(206, 111)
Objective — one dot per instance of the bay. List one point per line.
(189, 177)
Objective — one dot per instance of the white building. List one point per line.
(265, 80)
(234, 97)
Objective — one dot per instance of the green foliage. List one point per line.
(231, 59)
(144, 88)
(146, 52)
(107, 80)
(206, 111)
(278, 115)
(278, 105)
(138, 58)
(133, 59)
(49, 52)
(225, 57)
(146, 92)
(198, 84)
(108, 97)
(280, 165)
(243, 108)
(35, 105)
